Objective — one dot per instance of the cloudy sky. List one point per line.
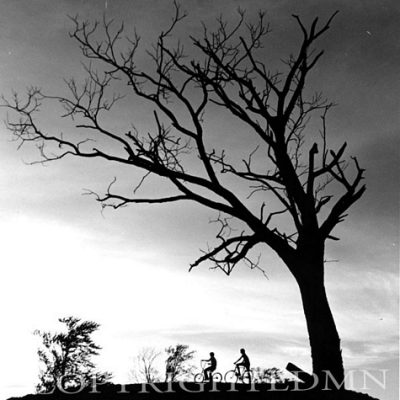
(128, 269)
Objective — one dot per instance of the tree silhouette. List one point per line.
(177, 362)
(287, 175)
(144, 368)
(67, 356)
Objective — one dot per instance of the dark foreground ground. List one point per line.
(189, 391)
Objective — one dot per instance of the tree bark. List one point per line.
(324, 339)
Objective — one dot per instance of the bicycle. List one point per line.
(245, 376)
(200, 377)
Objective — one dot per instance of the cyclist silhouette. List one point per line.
(242, 361)
(211, 368)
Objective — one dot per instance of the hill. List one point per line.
(190, 390)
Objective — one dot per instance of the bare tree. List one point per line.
(298, 188)
(144, 368)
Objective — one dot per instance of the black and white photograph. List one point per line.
(199, 199)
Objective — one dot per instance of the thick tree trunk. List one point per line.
(324, 339)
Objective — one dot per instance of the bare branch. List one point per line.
(229, 72)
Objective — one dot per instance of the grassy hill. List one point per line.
(190, 390)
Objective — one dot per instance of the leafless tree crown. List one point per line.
(145, 369)
(230, 74)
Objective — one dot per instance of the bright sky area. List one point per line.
(128, 269)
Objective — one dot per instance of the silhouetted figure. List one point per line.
(242, 361)
(211, 368)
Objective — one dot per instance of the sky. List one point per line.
(128, 269)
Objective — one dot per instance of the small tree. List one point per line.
(144, 369)
(177, 362)
(67, 356)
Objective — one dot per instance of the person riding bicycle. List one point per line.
(211, 368)
(242, 361)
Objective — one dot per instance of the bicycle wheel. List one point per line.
(247, 377)
(231, 377)
(217, 377)
(198, 378)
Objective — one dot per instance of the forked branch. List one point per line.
(230, 73)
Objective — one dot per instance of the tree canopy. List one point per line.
(67, 357)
